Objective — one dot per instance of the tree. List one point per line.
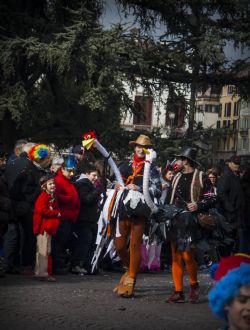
(61, 72)
(192, 48)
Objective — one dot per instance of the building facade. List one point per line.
(228, 120)
(243, 137)
(207, 108)
(154, 113)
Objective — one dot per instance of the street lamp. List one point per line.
(171, 117)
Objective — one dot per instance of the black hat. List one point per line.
(188, 153)
(235, 160)
(77, 149)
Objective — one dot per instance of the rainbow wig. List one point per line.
(39, 152)
(227, 287)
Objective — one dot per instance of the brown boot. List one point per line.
(194, 293)
(121, 281)
(176, 297)
(126, 289)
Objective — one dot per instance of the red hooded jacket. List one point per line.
(67, 196)
(46, 215)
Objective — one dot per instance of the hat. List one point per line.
(235, 160)
(78, 149)
(46, 178)
(230, 274)
(70, 163)
(57, 160)
(39, 152)
(142, 140)
(188, 153)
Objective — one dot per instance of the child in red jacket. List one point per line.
(46, 220)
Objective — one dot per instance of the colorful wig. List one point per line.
(39, 152)
(231, 274)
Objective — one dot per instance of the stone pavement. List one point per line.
(87, 302)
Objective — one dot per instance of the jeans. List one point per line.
(59, 244)
(28, 241)
(83, 246)
(11, 246)
(244, 240)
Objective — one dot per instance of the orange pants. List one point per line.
(178, 260)
(131, 259)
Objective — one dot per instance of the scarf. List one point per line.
(138, 162)
(137, 166)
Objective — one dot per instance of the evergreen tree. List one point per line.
(192, 48)
(61, 72)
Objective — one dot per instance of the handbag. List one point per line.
(206, 221)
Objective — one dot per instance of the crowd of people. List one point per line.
(46, 211)
(50, 205)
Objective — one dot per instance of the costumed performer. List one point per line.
(133, 219)
(189, 191)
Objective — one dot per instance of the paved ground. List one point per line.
(87, 302)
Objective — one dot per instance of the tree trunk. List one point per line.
(191, 110)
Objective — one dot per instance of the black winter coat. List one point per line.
(25, 189)
(89, 198)
(6, 213)
(16, 166)
(246, 190)
(231, 198)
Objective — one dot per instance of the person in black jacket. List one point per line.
(245, 181)
(85, 228)
(24, 192)
(6, 213)
(231, 201)
(12, 239)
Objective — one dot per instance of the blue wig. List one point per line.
(227, 288)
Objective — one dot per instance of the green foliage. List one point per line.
(192, 48)
(61, 73)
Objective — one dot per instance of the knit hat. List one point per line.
(39, 152)
(230, 274)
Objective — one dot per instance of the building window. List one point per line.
(143, 110)
(227, 112)
(220, 110)
(230, 90)
(212, 108)
(200, 108)
(244, 123)
(226, 123)
(244, 143)
(218, 124)
(235, 124)
(217, 108)
(236, 109)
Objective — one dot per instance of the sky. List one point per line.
(112, 15)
